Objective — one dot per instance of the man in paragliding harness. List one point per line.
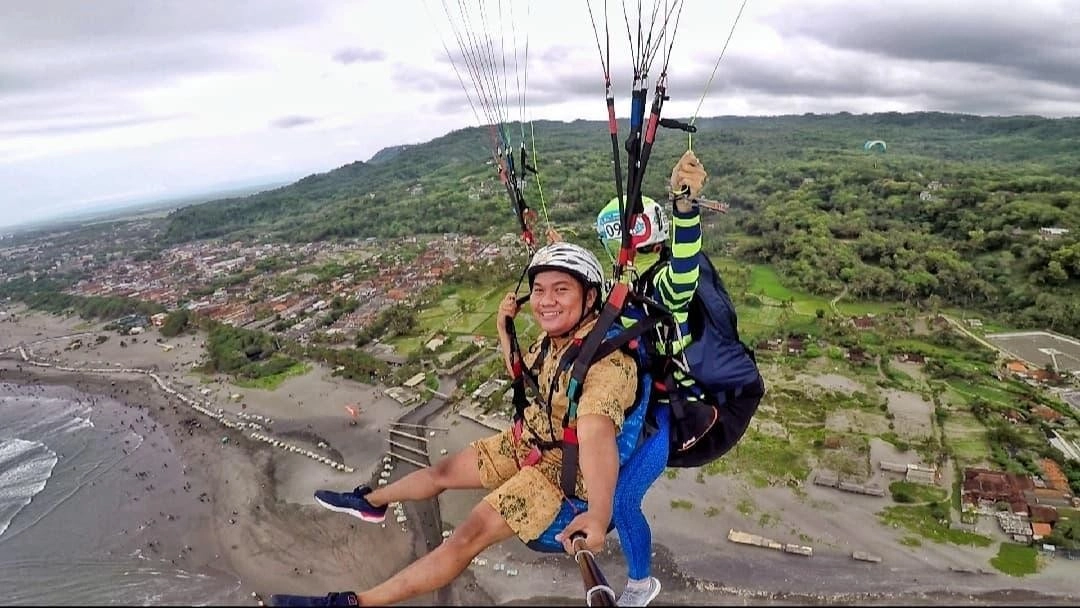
(521, 466)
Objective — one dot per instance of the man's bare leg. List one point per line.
(482, 528)
(458, 472)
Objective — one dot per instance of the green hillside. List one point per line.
(950, 214)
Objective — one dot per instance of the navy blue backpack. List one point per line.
(724, 369)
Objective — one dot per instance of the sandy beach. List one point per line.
(257, 520)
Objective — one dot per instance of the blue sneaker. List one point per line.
(344, 598)
(352, 503)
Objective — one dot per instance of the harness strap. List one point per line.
(609, 315)
(568, 474)
(523, 377)
(519, 380)
(625, 338)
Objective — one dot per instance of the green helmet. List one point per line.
(652, 226)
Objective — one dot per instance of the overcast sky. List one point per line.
(108, 101)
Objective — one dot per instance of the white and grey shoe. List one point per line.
(640, 593)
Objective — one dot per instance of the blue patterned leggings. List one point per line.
(635, 478)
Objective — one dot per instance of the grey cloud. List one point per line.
(61, 45)
(834, 78)
(449, 104)
(50, 23)
(289, 122)
(147, 66)
(553, 54)
(1032, 41)
(827, 77)
(549, 77)
(431, 79)
(353, 55)
(849, 85)
(29, 111)
(451, 98)
(80, 126)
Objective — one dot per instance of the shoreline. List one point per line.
(262, 525)
(240, 527)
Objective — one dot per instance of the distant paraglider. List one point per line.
(869, 145)
(354, 413)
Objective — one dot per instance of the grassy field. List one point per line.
(921, 521)
(270, 383)
(1016, 560)
(967, 437)
(854, 309)
(764, 281)
(463, 311)
(925, 348)
(905, 491)
(759, 320)
(990, 391)
(471, 310)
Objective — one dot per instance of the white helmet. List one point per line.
(650, 228)
(569, 258)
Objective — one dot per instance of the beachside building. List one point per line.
(1040, 531)
(914, 473)
(863, 322)
(414, 381)
(983, 489)
(1050, 497)
(126, 323)
(856, 354)
(920, 474)
(386, 354)
(1043, 514)
(488, 388)
(402, 395)
(1018, 368)
(795, 346)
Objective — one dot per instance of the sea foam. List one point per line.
(25, 467)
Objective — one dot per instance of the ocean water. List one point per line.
(72, 529)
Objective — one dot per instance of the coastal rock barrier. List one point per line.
(197, 405)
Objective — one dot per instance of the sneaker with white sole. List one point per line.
(352, 503)
(640, 594)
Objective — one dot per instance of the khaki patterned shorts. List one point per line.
(528, 498)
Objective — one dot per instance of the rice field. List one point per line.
(967, 438)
